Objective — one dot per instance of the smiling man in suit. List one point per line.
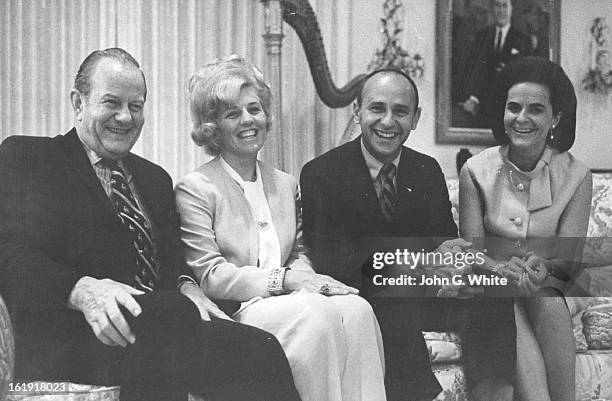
(374, 186)
(91, 265)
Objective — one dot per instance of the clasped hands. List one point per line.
(100, 300)
(526, 274)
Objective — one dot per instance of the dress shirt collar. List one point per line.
(504, 32)
(236, 177)
(374, 165)
(540, 193)
(96, 160)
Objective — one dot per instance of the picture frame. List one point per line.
(458, 24)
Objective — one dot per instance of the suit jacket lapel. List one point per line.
(509, 43)
(240, 205)
(273, 197)
(79, 162)
(406, 188)
(283, 214)
(362, 186)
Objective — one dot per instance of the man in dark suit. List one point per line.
(91, 266)
(493, 47)
(375, 187)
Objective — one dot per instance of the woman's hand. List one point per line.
(296, 280)
(536, 272)
(527, 275)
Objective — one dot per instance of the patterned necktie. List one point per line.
(388, 196)
(147, 277)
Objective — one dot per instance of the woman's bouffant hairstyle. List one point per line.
(561, 91)
(217, 86)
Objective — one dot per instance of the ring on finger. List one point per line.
(325, 289)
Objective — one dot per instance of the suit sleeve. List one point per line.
(221, 279)
(332, 250)
(180, 270)
(30, 276)
(299, 260)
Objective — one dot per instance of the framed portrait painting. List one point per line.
(476, 38)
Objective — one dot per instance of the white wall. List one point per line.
(594, 120)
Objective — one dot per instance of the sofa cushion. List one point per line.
(597, 322)
(443, 347)
(452, 185)
(75, 392)
(593, 378)
(452, 380)
(577, 306)
(598, 248)
(7, 350)
(81, 392)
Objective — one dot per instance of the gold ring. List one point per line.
(324, 289)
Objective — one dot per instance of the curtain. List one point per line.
(42, 43)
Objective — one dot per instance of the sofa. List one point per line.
(592, 321)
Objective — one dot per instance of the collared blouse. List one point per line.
(526, 205)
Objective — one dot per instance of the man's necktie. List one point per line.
(498, 43)
(147, 277)
(388, 196)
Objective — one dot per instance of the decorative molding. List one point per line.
(392, 55)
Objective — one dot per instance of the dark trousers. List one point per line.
(488, 333)
(176, 352)
(408, 375)
(486, 326)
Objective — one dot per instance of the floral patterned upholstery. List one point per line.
(7, 350)
(452, 380)
(76, 392)
(598, 249)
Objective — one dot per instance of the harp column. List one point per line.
(274, 151)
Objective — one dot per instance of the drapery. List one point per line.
(42, 43)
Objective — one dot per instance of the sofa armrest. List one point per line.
(7, 350)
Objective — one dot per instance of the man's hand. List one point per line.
(99, 301)
(455, 245)
(297, 280)
(206, 307)
(470, 106)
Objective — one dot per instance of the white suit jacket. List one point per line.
(220, 235)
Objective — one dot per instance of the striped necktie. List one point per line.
(388, 196)
(147, 277)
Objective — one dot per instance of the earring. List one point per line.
(356, 119)
(552, 133)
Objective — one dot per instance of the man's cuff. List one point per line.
(182, 279)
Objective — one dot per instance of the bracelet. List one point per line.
(275, 281)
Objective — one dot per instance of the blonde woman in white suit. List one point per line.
(240, 224)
